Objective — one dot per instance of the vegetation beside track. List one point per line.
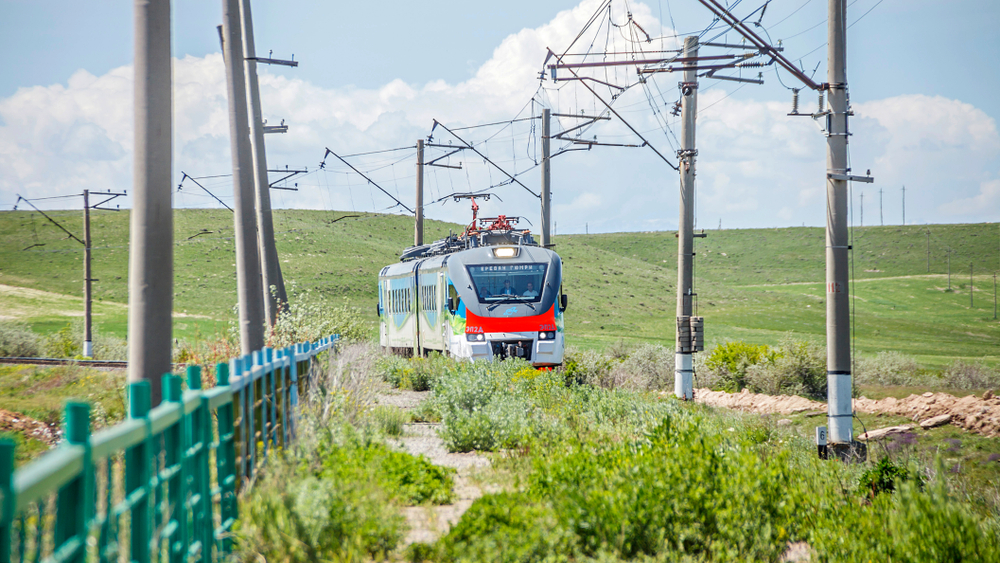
(755, 285)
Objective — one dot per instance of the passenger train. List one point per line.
(488, 293)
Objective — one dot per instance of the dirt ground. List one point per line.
(975, 414)
(17, 422)
(427, 523)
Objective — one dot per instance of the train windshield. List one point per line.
(501, 282)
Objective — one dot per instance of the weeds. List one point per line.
(18, 341)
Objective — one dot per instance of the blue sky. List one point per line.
(372, 76)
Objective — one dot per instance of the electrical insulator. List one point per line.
(795, 100)
(820, 110)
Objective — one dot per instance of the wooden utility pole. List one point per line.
(418, 226)
(274, 295)
(546, 177)
(971, 289)
(151, 239)
(684, 360)
(862, 209)
(248, 279)
(904, 205)
(88, 339)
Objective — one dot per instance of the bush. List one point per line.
(309, 317)
(294, 518)
(506, 528)
(18, 341)
(887, 368)
(418, 374)
(884, 476)
(649, 367)
(63, 344)
(730, 362)
(587, 367)
(796, 368)
(967, 375)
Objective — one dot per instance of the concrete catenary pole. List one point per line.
(151, 239)
(88, 337)
(418, 225)
(272, 281)
(546, 178)
(684, 360)
(248, 279)
(838, 320)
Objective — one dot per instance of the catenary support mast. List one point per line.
(88, 337)
(546, 178)
(418, 226)
(151, 242)
(838, 320)
(684, 361)
(248, 278)
(272, 281)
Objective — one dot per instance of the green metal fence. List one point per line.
(160, 486)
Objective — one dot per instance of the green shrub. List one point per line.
(650, 367)
(407, 479)
(388, 420)
(884, 476)
(730, 362)
(796, 368)
(291, 517)
(587, 367)
(18, 341)
(506, 527)
(887, 368)
(969, 375)
(417, 374)
(63, 344)
(308, 317)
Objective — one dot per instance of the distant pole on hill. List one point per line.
(248, 279)
(684, 360)
(151, 238)
(904, 205)
(418, 208)
(971, 289)
(928, 250)
(881, 218)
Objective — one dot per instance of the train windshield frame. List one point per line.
(488, 281)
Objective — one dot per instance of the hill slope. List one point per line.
(754, 284)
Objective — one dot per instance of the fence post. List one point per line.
(293, 369)
(201, 439)
(225, 458)
(173, 457)
(137, 469)
(7, 500)
(272, 435)
(73, 502)
(286, 437)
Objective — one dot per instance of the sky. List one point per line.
(374, 77)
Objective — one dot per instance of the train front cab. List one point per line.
(507, 303)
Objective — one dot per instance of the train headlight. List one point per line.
(547, 335)
(505, 252)
(475, 337)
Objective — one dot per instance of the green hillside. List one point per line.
(752, 284)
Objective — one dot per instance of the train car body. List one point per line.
(484, 295)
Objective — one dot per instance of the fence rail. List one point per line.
(160, 486)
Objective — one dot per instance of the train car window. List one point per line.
(500, 282)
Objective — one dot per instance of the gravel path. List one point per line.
(427, 523)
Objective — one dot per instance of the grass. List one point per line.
(753, 284)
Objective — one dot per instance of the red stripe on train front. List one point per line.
(476, 324)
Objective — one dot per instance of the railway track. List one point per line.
(61, 362)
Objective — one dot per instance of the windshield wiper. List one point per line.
(506, 298)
